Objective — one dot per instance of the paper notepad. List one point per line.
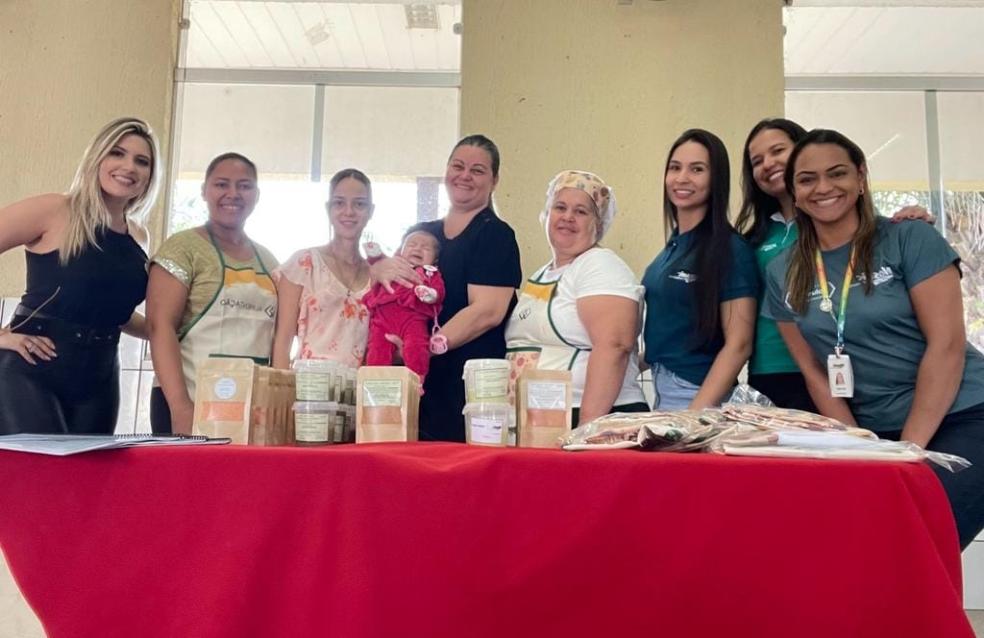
(66, 444)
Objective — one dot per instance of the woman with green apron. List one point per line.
(210, 294)
(580, 312)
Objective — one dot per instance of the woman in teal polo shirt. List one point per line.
(767, 220)
(701, 290)
(872, 313)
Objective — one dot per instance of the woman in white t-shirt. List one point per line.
(580, 312)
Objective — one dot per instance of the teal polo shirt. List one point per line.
(770, 355)
(881, 333)
(670, 331)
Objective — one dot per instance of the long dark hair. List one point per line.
(712, 241)
(757, 206)
(801, 275)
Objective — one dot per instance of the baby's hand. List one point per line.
(425, 294)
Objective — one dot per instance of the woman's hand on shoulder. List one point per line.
(390, 270)
(913, 212)
(26, 222)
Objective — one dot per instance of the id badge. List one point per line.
(840, 375)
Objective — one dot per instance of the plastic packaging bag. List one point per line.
(681, 431)
(744, 394)
(769, 418)
(829, 444)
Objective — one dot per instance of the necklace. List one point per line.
(346, 273)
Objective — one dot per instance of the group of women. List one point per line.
(835, 309)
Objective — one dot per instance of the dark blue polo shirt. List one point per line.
(670, 331)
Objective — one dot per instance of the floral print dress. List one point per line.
(332, 322)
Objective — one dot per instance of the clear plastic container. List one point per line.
(349, 423)
(316, 380)
(487, 380)
(315, 422)
(348, 393)
(490, 424)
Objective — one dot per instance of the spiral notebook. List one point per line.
(67, 444)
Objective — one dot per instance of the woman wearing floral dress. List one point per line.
(320, 289)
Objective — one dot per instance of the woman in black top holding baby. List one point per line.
(479, 261)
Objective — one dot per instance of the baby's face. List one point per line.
(420, 249)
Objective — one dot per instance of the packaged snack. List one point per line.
(387, 404)
(316, 380)
(543, 407)
(223, 398)
(315, 422)
(486, 380)
(488, 423)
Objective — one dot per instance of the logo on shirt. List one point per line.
(879, 277)
(816, 294)
(684, 276)
(767, 247)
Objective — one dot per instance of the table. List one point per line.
(449, 540)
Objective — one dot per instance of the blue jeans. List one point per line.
(672, 392)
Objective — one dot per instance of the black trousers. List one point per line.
(961, 433)
(160, 413)
(78, 392)
(786, 389)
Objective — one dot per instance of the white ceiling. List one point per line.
(823, 37)
(258, 34)
(884, 40)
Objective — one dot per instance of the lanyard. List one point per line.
(826, 305)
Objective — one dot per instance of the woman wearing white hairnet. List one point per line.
(580, 312)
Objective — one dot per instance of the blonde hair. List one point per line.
(85, 196)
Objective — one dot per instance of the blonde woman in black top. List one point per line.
(86, 274)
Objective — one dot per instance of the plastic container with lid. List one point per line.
(490, 424)
(316, 380)
(349, 423)
(348, 393)
(487, 380)
(314, 422)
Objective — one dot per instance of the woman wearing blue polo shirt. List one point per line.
(768, 222)
(701, 289)
(872, 313)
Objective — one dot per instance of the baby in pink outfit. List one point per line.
(406, 312)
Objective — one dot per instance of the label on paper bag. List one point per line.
(225, 388)
(486, 430)
(546, 395)
(379, 393)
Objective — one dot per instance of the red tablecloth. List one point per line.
(449, 540)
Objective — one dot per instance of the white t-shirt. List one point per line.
(598, 271)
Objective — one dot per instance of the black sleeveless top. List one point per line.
(100, 287)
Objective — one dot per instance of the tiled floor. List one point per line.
(16, 618)
(18, 621)
(977, 620)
